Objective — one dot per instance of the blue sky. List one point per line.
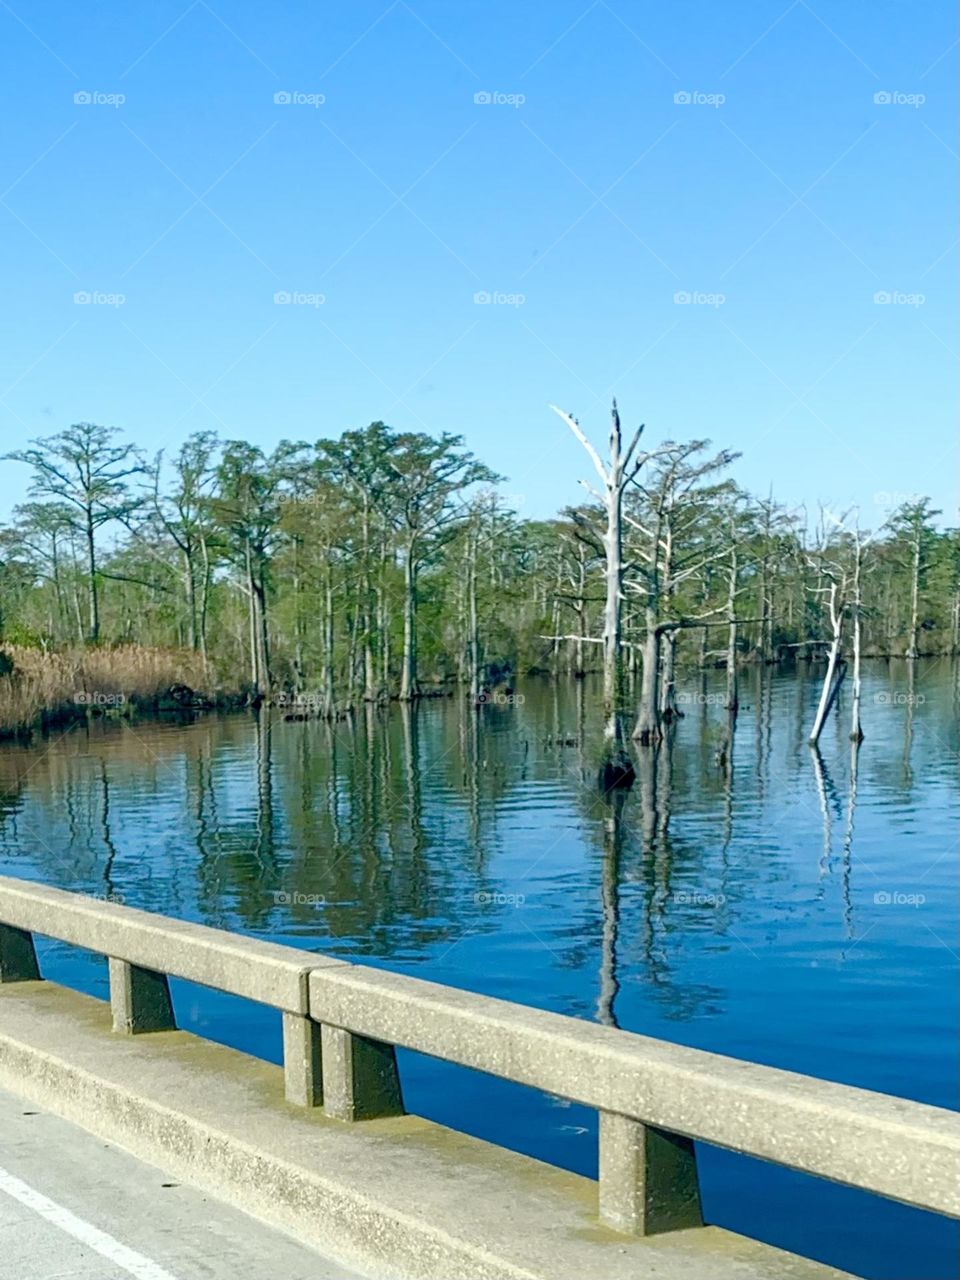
(781, 198)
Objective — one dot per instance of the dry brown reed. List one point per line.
(53, 687)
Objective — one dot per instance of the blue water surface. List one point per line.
(798, 908)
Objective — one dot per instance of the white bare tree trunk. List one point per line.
(856, 730)
(612, 655)
(616, 767)
(668, 646)
(581, 612)
(733, 691)
(647, 729)
(668, 662)
(830, 685)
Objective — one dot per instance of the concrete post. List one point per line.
(648, 1178)
(18, 959)
(139, 999)
(360, 1078)
(302, 1061)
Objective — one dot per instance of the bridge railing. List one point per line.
(343, 1021)
(144, 949)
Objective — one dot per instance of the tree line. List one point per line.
(382, 563)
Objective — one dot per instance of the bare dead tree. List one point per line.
(856, 609)
(624, 464)
(834, 585)
(673, 504)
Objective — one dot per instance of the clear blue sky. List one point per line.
(598, 198)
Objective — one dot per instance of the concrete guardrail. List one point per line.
(342, 1022)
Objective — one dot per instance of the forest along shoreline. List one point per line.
(388, 565)
(43, 693)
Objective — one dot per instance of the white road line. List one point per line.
(135, 1264)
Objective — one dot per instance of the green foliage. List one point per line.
(303, 568)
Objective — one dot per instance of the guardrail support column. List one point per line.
(302, 1062)
(139, 999)
(18, 959)
(360, 1077)
(648, 1178)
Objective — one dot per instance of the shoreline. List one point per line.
(45, 692)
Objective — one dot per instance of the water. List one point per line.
(775, 912)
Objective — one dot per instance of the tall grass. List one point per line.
(45, 688)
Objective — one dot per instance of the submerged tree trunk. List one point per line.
(579, 662)
(725, 753)
(473, 625)
(352, 655)
(255, 674)
(647, 731)
(668, 691)
(299, 627)
(912, 648)
(856, 730)
(616, 767)
(668, 644)
(727, 740)
(327, 676)
(555, 628)
(733, 687)
(733, 676)
(615, 752)
(384, 626)
(831, 680)
(408, 679)
(579, 669)
(263, 641)
(369, 672)
(764, 637)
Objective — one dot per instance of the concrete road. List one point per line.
(75, 1208)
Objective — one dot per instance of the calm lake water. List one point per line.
(783, 911)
